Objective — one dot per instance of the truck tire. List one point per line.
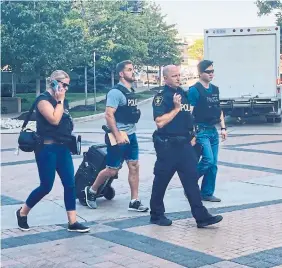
(270, 119)
(278, 120)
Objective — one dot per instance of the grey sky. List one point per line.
(194, 16)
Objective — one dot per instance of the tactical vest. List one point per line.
(182, 123)
(61, 132)
(208, 108)
(128, 113)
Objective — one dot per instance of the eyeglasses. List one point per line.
(209, 71)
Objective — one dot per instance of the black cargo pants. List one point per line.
(177, 157)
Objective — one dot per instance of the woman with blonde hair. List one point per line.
(54, 125)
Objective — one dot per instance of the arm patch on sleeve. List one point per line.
(158, 100)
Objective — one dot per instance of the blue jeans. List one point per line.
(207, 167)
(52, 158)
(118, 153)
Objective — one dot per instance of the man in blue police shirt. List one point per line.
(205, 106)
(172, 141)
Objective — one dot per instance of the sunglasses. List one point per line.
(65, 85)
(209, 71)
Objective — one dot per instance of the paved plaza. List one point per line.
(249, 184)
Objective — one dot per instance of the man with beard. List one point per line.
(121, 115)
(205, 105)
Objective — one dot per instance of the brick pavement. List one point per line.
(249, 236)
(238, 241)
(236, 236)
(11, 174)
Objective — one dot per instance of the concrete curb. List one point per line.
(101, 115)
(88, 118)
(103, 97)
(76, 120)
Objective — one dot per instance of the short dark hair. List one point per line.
(121, 65)
(203, 65)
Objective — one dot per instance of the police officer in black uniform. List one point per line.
(172, 142)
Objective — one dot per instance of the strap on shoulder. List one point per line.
(27, 118)
(214, 88)
(123, 89)
(196, 85)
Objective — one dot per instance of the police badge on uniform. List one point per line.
(158, 100)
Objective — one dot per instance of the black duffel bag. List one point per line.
(29, 140)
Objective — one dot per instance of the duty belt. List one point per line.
(173, 139)
(178, 140)
(198, 128)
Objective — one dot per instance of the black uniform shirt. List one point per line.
(182, 123)
(47, 130)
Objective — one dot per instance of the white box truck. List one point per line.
(246, 63)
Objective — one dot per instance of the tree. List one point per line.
(160, 38)
(118, 33)
(124, 32)
(196, 51)
(39, 36)
(267, 7)
(133, 6)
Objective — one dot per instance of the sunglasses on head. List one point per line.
(209, 71)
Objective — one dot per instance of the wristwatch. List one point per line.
(223, 128)
(59, 102)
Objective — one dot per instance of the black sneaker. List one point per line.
(22, 221)
(209, 221)
(211, 198)
(137, 206)
(78, 227)
(90, 198)
(161, 220)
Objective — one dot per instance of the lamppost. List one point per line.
(94, 79)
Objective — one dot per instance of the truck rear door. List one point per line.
(245, 65)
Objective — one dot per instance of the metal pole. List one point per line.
(85, 83)
(94, 79)
(13, 85)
